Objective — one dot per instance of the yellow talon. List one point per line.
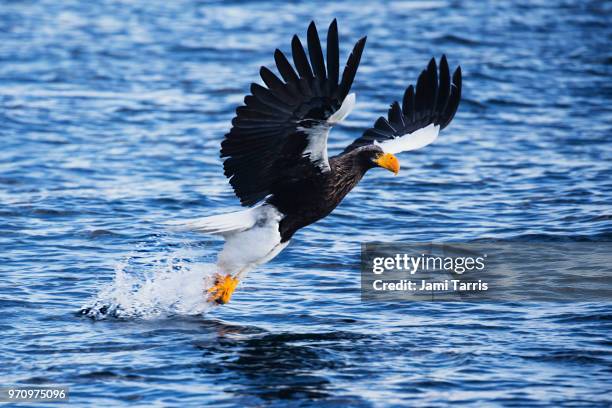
(222, 290)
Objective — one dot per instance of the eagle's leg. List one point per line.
(222, 290)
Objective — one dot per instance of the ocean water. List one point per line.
(111, 116)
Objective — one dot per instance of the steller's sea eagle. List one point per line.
(275, 154)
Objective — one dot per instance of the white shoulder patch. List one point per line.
(411, 141)
(345, 109)
(316, 149)
(317, 136)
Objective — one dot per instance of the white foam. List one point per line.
(149, 286)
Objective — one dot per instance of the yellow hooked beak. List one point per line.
(389, 162)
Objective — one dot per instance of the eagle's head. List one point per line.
(371, 156)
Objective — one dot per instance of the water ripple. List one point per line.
(111, 123)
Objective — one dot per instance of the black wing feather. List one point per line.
(453, 100)
(333, 57)
(444, 87)
(351, 68)
(315, 52)
(284, 67)
(408, 104)
(299, 58)
(271, 80)
(396, 119)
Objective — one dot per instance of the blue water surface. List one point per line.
(111, 116)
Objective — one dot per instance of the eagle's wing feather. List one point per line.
(423, 113)
(281, 131)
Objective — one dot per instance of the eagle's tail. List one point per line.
(221, 224)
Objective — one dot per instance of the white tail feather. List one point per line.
(221, 224)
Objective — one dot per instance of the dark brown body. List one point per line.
(308, 200)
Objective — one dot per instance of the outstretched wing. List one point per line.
(423, 114)
(281, 131)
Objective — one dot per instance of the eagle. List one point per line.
(275, 154)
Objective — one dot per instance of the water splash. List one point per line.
(149, 284)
